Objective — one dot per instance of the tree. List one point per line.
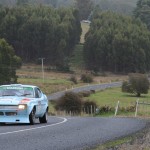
(85, 8)
(22, 2)
(119, 6)
(41, 31)
(9, 62)
(142, 11)
(117, 43)
(137, 84)
(54, 3)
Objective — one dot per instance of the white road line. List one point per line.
(64, 120)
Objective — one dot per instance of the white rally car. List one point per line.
(22, 104)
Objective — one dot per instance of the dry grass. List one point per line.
(56, 81)
(85, 28)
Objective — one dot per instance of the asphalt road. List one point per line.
(71, 133)
(85, 88)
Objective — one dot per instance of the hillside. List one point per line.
(121, 6)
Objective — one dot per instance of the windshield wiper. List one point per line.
(9, 95)
(25, 94)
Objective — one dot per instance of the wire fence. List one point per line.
(143, 108)
(119, 109)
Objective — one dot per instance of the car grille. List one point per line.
(10, 113)
(8, 107)
(1, 113)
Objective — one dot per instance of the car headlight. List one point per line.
(22, 107)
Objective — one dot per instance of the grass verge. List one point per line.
(112, 144)
(138, 141)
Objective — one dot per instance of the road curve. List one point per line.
(85, 88)
(71, 133)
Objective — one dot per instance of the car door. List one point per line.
(41, 102)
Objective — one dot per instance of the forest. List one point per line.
(41, 31)
(121, 6)
(116, 41)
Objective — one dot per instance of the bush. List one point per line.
(84, 94)
(127, 109)
(137, 84)
(106, 109)
(126, 87)
(86, 78)
(69, 102)
(87, 106)
(73, 79)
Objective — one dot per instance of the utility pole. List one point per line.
(42, 59)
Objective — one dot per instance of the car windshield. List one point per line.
(16, 91)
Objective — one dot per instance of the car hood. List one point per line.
(11, 100)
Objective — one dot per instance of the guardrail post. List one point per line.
(117, 106)
(136, 110)
(91, 110)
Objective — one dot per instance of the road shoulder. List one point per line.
(138, 141)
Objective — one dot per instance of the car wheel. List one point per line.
(44, 119)
(32, 117)
(2, 123)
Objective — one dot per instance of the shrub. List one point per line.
(126, 87)
(127, 109)
(106, 109)
(137, 84)
(69, 102)
(131, 108)
(73, 79)
(86, 78)
(84, 94)
(89, 106)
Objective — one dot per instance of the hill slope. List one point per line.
(123, 6)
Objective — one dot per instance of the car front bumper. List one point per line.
(14, 116)
(14, 119)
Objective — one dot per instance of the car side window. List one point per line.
(38, 93)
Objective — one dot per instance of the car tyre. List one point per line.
(32, 117)
(44, 119)
(2, 124)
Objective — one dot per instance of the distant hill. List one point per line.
(55, 3)
(7, 2)
(121, 6)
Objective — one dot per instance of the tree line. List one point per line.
(41, 31)
(85, 6)
(115, 42)
(119, 43)
(142, 11)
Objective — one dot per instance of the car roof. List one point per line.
(19, 85)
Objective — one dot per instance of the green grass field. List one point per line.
(76, 61)
(110, 97)
(113, 95)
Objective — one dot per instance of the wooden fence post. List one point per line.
(117, 106)
(136, 110)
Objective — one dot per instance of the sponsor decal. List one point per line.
(26, 100)
(16, 88)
